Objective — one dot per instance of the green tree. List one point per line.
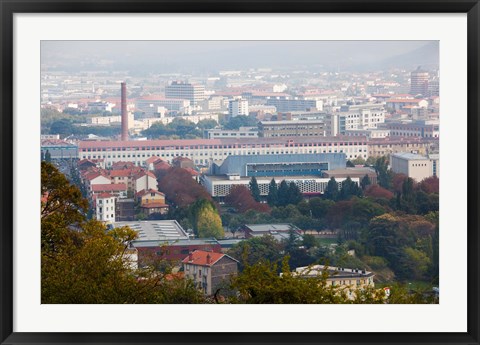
(294, 194)
(240, 121)
(331, 192)
(320, 207)
(309, 241)
(257, 249)
(349, 189)
(206, 220)
(48, 157)
(63, 127)
(272, 197)
(384, 176)
(254, 189)
(283, 194)
(82, 262)
(365, 182)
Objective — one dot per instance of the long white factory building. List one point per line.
(204, 151)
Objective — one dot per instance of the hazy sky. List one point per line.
(215, 55)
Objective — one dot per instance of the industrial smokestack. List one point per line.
(124, 112)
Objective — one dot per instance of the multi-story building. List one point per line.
(104, 205)
(296, 128)
(373, 133)
(419, 128)
(205, 151)
(99, 107)
(209, 270)
(415, 166)
(242, 132)
(108, 120)
(419, 82)
(275, 165)
(364, 116)
(396, 104)
(345, 280)
(287, 103)
(219, 186)
(352, 173)
(237, 107)
(150, 105)
(387, 146)
(195, 93)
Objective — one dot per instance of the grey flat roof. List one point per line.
(364, 170)
(156, 230)
(409, 156)
(278, 179)
(182, 242)
(271, 227)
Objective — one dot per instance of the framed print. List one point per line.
(238, 172)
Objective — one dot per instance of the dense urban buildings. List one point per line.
(222, 172)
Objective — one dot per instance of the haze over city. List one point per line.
(240, 172)
(210, 56)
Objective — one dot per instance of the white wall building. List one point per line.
(415, 166)
(219, 186)
(195, 93)
(203, 151)
(237, 107)
(105, 207)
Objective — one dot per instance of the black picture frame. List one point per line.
(7, 174)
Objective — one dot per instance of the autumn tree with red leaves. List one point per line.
(180, 188)
(375, 191)
(242, 200)
(430, 185)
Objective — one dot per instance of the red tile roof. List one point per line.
(104, 195)
(114, 187)
(199, 257)
(120, 173)
(404, 100)
(144, 192)
(153, 159)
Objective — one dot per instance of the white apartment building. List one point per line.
(355, 118)
(105, 208)
(373, 133)
(150, 105)
(237, 107)
(220, 186)
(242, 132)
(420, 128)
(108, 120)
(195, 93)
(204, 151)
(415, 166)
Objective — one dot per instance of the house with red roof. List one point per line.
(150, 162)
(119, 190)
(148, 196)
(144, 180)
(209, 270)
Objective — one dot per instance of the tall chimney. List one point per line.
(124, 112)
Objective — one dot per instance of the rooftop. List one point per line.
(203, 258)
(409, 156)
(333, 272)
(156, 230)
(180, 242)
(271, 227)
(113, 187)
